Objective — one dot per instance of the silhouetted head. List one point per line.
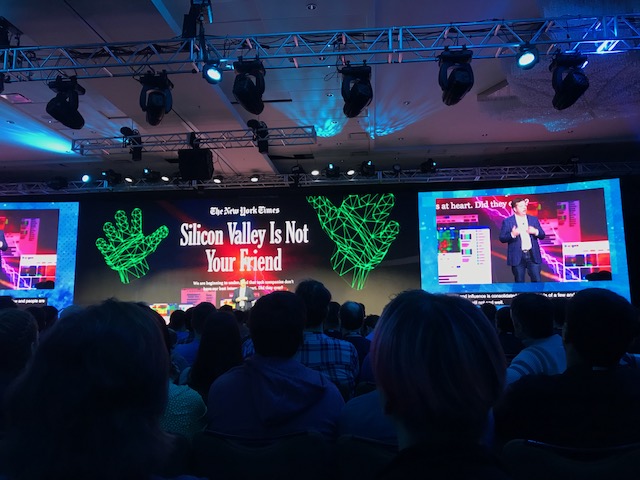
(600, 325)
(532, 315)
(90, 400)
(316, 299)
(438, 363)
(276, 323)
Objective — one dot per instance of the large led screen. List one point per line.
(584, 243)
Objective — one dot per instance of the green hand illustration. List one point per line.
(126, 248)
(360, 230)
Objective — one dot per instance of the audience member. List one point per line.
(532, 315)
(370, 322)
(332, 322)
(90, 401)
(363, 416)
(199, 314)
(440, 370)
(272, 394)
(220, 350)
(490, 310)
(241, 319)
(50, 316)
(7, 302)
(595, 402)
(177, 323)
(336, 358)
(185, 413)
(511, 344)
(352, 319)
(40, 317)
(559, 309)
(18, 340)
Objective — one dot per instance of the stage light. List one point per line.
(568, 79)
(367, 168)
(429, 166)
(218, 179)
(260, 134)
(129, 179)
(255, 178)
(356, 89)
(151, 176)
(212, 73)
(351, 172)
(247, 92)
(527, 57)
(332, 171)
(455, 76)
(132, 138)
(315, 172)
(155, 96)
(396, 169)
(111, 177)
(64, 106)
(165, 178)
(86, 178)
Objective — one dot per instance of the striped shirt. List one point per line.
(543, 356)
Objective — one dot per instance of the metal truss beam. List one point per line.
(450, 176)
(170, 142)
(487, 39)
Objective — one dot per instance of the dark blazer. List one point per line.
(514, 247)
(4, 245)
(248, 302)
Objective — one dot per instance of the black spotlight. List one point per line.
(155, 97)
(396, 169)
(248, 86)
(151, 176)
(367, 168)
(332, 171)
(64, 106)
(455, 76)
(428, 167)
(260, 134)
(133, 139)
(356, 89)
(111, 177)
(568, 80)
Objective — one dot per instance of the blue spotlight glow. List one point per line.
(27, 132)
(212, 74)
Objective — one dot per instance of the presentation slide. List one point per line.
(464, 237)
(363, 247)
(39, 264)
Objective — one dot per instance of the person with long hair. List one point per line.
(89, 402)
(440, 370)
(220, 350)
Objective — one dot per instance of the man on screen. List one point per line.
(3, 242)
(243, 296)
(521, 233)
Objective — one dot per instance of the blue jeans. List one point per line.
(527, 264)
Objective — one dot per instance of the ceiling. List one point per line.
(506, 119)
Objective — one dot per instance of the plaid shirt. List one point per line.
(337, 359)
